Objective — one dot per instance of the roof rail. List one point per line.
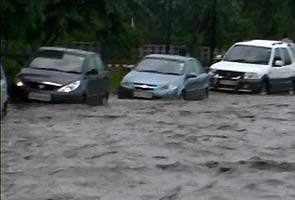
(275, 43)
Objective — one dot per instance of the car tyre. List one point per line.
(102, 100)
(204, 94)
(293, 87)
(123, 95)
(264, 89)
(183, 95)
(4, 110)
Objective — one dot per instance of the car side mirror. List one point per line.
(279, 63)
(218, 57)
(131, 67)
(191, 75)
(92, 72)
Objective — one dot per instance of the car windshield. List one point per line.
(57, 61)
(249, 54)
(162, 66)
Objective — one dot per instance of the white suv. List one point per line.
(256, 66)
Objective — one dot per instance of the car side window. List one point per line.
(197, 67)
(286, 56)
(91, 64)
(99, 63)
(189, 68)
(277, 56)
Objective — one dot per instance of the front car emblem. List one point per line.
(145, 86)
(41, 86)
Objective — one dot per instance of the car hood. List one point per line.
(36, 75)
(239, 67)
(152, 78)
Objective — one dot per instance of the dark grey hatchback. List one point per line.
(57, 74)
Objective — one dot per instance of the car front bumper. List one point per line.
(240, 85)
(124, 92)
(76, 96)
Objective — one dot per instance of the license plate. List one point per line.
(143, 94)
(228, 82)
(39, 96)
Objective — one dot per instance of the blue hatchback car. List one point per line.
(166, 76)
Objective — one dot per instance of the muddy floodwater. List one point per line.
(229, 147)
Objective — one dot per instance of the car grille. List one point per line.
(142, 86)
(41, 86)
(230, 74)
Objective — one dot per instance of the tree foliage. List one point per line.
(120, 25)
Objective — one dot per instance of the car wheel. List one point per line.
(103, 100)
(121, 95)
(204, 94)
(264, 89)
(207, 93)
(183, 95)
(4, 110)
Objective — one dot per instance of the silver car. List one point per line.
(4, 95)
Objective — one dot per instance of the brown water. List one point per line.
(229, 147)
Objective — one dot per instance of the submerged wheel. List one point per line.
(103, 100)
(264, 89)
(183, 95)
(204, 94)
(4, 110)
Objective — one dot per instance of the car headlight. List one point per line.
(19, 83)
(126, 84)
(251, 75)
(212, 72)
(169, 86)
(70, 87)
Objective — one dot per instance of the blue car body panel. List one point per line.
(154, 82)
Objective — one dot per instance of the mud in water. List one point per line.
(229, 147)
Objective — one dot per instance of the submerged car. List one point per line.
(4, 93)
(64, 75)
(166, 76)
(260, 66)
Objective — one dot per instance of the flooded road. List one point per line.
(229, 147)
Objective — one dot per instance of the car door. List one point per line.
(197, 79)
(280, 75)
(103, 75)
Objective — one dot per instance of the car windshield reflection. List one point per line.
(162, 66)
(57, 61)
(249, 54)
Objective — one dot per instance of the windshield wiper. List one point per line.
(238, 60)
(259, 62)
(171, 73)
(72, 72)
(47, 68)
(54, 69)
(152, 71)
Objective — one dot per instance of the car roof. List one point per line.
(171, 57)
(70, 50)
(263, 43)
